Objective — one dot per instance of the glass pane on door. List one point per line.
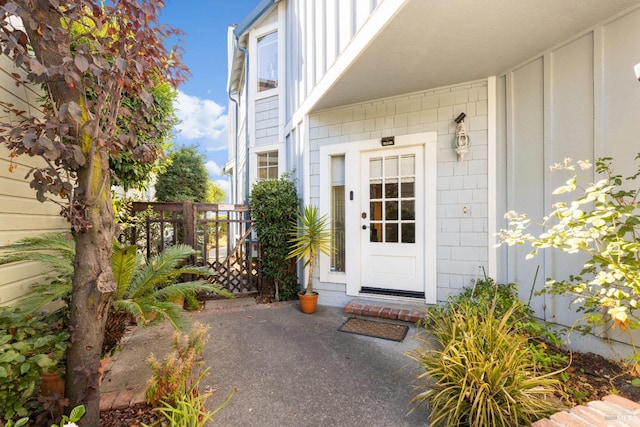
(392, 212)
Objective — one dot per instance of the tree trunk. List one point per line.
(93, 280)
(93, 284)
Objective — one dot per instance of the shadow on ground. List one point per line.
(288, 368)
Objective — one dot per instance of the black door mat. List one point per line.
(384, 330)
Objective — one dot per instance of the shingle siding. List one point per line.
(462, 238)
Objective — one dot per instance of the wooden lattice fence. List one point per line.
(221, 234)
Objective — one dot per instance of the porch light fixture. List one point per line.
(462, 137)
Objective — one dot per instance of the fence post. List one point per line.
(189, 218)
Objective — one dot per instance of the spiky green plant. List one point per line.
(55, 252)
(144, 288)
(309, 237)
(481, 372)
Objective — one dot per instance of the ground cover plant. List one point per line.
(29, 346)
(482, 370)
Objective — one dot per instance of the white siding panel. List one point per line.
(330, 33)
(621, 51)
(320, 40)
(526, 163)
(579, 100)
(345, 24)
(362, 9)
(20, 214)
(570, 109)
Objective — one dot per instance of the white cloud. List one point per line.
(224, 184)
(213, 168)
(201, 119)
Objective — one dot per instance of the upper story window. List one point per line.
(268, 165)
(268, 62)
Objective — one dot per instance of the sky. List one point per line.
(202, 101)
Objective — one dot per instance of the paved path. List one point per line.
(288, 369)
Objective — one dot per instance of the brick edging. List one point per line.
(383, 312)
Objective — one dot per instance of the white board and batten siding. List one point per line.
(21, 215)
(579, 100)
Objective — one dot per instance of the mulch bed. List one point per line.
(592, 377)
(135, 416)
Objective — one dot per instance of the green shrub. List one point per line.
(274, 206)
(29, 346)
(542, 341)
(481, 372)
(600, 220)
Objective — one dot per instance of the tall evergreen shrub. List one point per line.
(274, 206)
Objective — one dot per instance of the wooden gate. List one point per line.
(221, 234)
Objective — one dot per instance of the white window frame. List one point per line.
(270, 154)
(253, 70)
(253, 155)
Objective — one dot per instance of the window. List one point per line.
(268, 62)
(268, 165)
(337, 213)
(392, 199)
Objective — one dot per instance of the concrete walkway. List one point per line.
(288, 368)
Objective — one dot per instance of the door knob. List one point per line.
(364, 227)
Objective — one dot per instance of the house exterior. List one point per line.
(360, 98)
(21, 215)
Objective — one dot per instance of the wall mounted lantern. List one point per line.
(462, 137)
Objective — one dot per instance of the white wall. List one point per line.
(317, 33)
(578, 100)
(462, 238)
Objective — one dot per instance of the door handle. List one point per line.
(364, 227)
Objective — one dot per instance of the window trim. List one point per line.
(258, 34)
(277, 65)
(270, 154)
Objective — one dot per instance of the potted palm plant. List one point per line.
(309, 238)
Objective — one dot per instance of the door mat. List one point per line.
(387, 331)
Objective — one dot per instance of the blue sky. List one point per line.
(202, 100)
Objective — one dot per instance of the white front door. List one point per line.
(392, 222)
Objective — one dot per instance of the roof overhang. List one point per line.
(434, 43)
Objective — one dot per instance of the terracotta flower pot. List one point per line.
(308, 303)
(52, 384)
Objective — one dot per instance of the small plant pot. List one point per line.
(52, 385)
(308, 303)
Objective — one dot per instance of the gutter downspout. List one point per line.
(246, 118)
(235, 150)
(236, 102)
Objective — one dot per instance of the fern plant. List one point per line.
(144, 288)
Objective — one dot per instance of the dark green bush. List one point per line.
(274, 205)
